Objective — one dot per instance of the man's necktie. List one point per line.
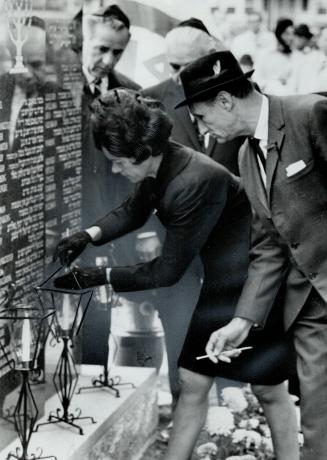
(97, 88)
(257, 149)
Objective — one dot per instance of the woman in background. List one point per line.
(273, 69)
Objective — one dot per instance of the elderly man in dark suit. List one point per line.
(283, 164)
(106, 35)
(204, 211)
(186, 42)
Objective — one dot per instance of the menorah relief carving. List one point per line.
(18, 14)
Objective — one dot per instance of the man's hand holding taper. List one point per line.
(226, 339)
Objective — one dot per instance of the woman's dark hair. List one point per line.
(129, 125)
(282, 25)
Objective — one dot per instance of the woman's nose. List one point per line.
(115, 168)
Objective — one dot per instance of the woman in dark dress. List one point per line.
(205, 212)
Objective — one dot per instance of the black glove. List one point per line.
(71, 247)
(82, 278)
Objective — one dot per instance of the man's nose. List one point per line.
(108, 60)
(116, 169)
(202, 127)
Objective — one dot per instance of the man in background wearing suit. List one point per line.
(186, 42)
(283, 164)
(105, 36)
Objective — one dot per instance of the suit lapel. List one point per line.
(276, 136)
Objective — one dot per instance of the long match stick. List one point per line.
(223, 352)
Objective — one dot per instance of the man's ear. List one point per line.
(225, 100)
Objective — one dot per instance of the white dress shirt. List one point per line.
(91, 81)
(261, 133)
(202, 130)
(254, 44)
(310, 72)
(320, 81)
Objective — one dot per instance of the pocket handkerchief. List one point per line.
(294, 168)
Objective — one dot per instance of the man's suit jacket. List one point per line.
(170, 93)
(289, 248)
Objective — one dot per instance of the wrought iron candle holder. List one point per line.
(70, 307)
(28, 326)
(105, 296)
(103, 380)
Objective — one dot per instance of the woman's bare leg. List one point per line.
(280, 413)
(190, 414)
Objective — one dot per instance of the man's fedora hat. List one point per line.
(209, 73)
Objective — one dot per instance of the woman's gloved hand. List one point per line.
(71, 247)
(82, 278)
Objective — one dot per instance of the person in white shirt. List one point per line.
(306, 60)
(320, 77)
(106, 36)
(273, 69)
(255, 40)
(310, 69)
(303, 38)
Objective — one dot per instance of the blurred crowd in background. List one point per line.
(291, 59)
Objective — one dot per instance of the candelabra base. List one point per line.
(16, 70)
(67, 418)
(104, 381)
(21, 455)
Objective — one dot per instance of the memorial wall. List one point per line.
(53, 181)
(40, 143)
